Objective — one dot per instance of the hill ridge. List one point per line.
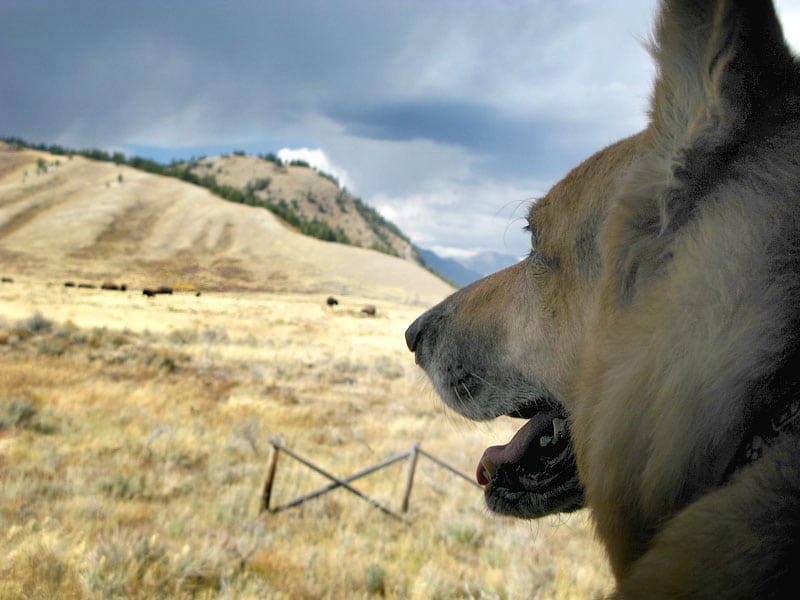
(305, 198)
(71, 218)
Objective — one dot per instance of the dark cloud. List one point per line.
(105, 71)
(123, 64)
(536, 146)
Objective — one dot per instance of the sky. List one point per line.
(448, 116)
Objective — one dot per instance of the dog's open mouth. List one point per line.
(535, 473)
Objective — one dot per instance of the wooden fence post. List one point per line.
(273, 463)
(412, 467)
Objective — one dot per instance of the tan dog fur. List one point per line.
(660, 294)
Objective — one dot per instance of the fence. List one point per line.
(336, 482)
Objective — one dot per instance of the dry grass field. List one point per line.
(134, 441)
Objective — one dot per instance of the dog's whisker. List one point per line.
(458, 396)
(484, 381)
(469, 394)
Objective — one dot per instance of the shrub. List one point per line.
(376, 579)
(271, 158)
(17, 413)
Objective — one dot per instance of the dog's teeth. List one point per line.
(559, 427)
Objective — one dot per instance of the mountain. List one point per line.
(71, 218)
(463, 271)
(450, 268)
(488, 262)
(310, 200)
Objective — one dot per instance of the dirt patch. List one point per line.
(12, 160)
(125, 233)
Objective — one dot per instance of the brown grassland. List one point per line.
(134, 442)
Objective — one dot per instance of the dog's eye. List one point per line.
(537, 255)
(531, 230)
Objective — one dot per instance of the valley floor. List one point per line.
(134, 445)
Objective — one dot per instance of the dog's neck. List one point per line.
(780, 417)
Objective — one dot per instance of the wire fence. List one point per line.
(411, 455)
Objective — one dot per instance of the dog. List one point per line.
(650, 338)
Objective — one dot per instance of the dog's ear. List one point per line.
(723, 71)
(720, 65)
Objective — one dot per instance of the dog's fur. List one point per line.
(658, 315)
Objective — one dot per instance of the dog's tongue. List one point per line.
(513, 451)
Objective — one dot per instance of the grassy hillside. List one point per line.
(307, 199)
(71, 218)
(310, 201)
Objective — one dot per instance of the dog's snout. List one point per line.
(414, 333)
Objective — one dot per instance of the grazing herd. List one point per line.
(369, 310)
(121, 287)
(150, 292)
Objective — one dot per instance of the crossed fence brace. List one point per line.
(336, 482)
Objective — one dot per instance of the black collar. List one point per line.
(765, 433)
(780, 394)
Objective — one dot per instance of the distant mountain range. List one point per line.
(463, 271)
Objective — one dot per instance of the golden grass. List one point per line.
(134, 442)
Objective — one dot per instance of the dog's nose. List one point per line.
(414, 334)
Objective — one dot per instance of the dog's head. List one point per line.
(508, 344)
(658, 289)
